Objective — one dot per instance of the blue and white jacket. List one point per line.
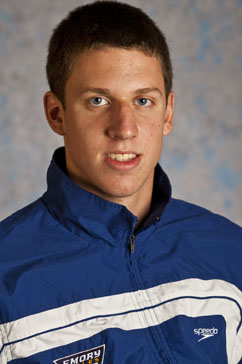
(79, 285)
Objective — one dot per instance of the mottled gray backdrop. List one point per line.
(202, 156)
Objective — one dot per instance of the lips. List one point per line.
(122, 161)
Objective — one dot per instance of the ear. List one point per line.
(54, 112)
(169, 114)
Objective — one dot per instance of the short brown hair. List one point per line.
(98, 25)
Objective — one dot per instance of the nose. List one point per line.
(122, 122)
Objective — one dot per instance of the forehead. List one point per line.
(116, 65)
(114, 53)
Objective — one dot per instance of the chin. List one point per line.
(121, 192)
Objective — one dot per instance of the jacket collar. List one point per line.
(79, 210)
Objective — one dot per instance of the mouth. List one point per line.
(124, 157)
(122, 161)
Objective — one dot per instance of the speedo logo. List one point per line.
(205, 333)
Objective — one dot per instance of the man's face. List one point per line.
(114, 122)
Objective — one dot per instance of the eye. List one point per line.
(98, 101)
(143, 101)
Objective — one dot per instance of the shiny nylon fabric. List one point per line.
(72, 248)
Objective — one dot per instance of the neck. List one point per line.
(138, 203)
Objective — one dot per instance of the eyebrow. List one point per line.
(106, 92)
(98, 90)
(146, 90)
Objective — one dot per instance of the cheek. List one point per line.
(154, 129)
(156, 132)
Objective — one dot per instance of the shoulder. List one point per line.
(21, 230)
(30, 232)
(20, 218)
(196, 217)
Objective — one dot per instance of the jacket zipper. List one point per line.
(131, 251)
(132, 244)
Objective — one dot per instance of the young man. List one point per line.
(106, 267)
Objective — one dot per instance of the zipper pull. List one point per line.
(132, 243)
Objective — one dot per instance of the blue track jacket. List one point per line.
(79, 285)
